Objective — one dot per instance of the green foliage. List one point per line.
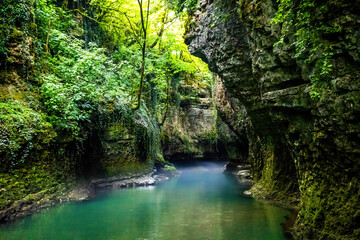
(147, 135)
(170, 167)
(60, 20)
(309, 21)
(81, 79)
(183, 5)
(211, 136)
(122, 21)
(24, 182)
(83, 86)
(331, 209)
(13, 14)
(22, 130)
(79, 84)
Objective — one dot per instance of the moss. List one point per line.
(36, 156)
(188, 100)
(170, 167)
(126, 168)
(10, 93)
(159, 158)
(16, 33)
(211, 136)
(310, 25)
(246, 6)
(329, 186)
(21, 130)
(25, 182)
(334, 210)
(269, 163)
(189, 146)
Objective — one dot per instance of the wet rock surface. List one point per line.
(132, 181)
(47, 198)
(193, 131)
(297, 144)
(242, 174)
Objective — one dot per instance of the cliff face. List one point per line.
(39, 162)
(193, 130)
(297, 144)
(234, 115)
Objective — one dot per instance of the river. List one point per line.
(202, 203)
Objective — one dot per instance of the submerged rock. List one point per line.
(81, 194)
(242, 174)
(245, 174)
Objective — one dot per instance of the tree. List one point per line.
(137, 27)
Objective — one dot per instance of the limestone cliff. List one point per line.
(193, 130)
(39, 161)
(297, 143)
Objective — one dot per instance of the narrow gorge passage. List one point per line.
(107, 94)
(202, 203)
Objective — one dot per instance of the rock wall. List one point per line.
(297, 144)
(234, 115)
(193, 130)
(39, 163)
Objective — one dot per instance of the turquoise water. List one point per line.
(202, 203)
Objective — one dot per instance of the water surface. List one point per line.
(202, 203)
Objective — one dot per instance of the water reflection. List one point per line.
(202, 203)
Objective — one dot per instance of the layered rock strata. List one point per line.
(297, 144)
(193, 130)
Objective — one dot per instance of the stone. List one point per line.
(297, 146)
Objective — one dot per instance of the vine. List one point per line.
(308, 22)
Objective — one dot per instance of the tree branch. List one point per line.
(143, 51)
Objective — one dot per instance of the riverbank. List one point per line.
(82, 192)
(244, 178)
(202, 203)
